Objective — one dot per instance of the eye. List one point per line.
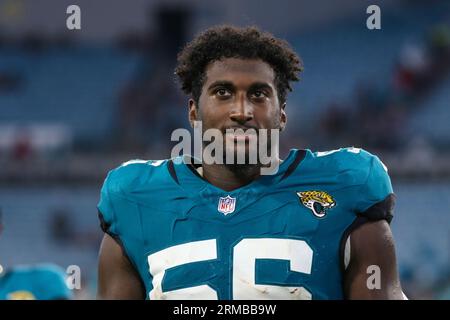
(222, 92)
(258, 94)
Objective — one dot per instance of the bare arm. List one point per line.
(372, 244)
(117, 278)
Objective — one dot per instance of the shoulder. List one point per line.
(348, 157)
(355, 164)
(39, 273)
(362, 175)
(50, 279)
(133, 182)
(49, 270)
(132, 174)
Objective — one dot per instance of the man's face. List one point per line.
(238, 93)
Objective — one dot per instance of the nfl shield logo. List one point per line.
(226, 205)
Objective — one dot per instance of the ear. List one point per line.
(193, 114)
(283, 117)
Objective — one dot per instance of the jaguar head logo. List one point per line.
(319, 202)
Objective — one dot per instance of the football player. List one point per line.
(317, 228)
(33, 282)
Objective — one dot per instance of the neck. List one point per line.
(230, 178)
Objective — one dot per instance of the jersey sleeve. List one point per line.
(105, 208)
(376, 199)
(124, 190)
(119, 194)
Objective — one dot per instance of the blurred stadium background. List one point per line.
(74, 104)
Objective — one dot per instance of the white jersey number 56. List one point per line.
(245, 253)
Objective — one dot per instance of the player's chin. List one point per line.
(241, 153)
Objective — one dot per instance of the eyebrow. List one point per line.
(230, 85)
(221, 83)
(260, 85)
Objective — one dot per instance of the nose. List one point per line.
(242, 111)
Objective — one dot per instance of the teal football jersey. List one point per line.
(40, 282)
(283, 236)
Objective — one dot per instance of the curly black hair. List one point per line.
(233, 42)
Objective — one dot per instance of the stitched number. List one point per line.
(245, 253)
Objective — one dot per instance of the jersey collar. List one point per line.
(185, 174)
